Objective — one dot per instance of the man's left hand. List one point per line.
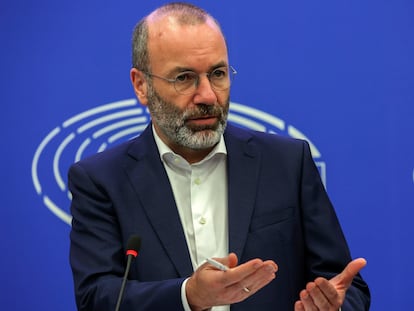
(328, 295)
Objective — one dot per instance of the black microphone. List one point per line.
(133, 246)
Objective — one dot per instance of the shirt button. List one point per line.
(202, 221)
(197, 181)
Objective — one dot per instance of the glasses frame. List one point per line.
(232, 73)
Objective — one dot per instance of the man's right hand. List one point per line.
(209, 287)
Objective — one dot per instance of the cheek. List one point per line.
(169, 97)
(223, 99)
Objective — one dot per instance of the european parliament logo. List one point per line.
(100, 128)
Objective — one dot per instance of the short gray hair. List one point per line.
(185, 13)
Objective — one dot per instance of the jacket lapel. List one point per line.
(243, 170)
(155, 194)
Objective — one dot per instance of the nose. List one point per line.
(204, 92)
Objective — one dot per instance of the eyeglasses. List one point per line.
(186, 82)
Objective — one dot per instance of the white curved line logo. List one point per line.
(99, 128)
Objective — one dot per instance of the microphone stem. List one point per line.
(124, 280)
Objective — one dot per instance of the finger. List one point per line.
(318, 296)
(273, 264)
(344, 279)
(299, 306)
(231, 260)
(240, 272)
(355, 266)
(329, 291)
(258, 279)
(255, 269)
(239, 291)
(248, 285)
(307, 301)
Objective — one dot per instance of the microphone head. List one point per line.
(133, 245)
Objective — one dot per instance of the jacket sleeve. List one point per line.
(97, 255)
(327, 252)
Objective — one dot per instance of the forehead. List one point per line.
(172, 44)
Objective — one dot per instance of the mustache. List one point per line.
(202, 110)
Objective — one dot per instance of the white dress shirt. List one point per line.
(200, 192)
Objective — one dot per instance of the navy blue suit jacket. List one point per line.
(277, 206)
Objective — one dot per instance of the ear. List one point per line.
(140, 85)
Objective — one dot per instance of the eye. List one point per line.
(185, 77)
(219, 73)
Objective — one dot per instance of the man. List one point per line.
(194, 187)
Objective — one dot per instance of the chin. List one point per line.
(203, 139)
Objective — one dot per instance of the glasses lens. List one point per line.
(186, 82)
(220, 79)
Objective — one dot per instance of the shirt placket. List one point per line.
(203, 224)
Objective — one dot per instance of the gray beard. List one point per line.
(171, 121)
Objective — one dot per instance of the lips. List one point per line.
(202, 117)
(202, 122)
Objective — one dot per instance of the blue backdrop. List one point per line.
(338, 73)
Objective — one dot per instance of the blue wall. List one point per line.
(339, 73)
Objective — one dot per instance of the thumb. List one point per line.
(344, 279)
(230, 261)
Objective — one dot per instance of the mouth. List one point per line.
(209, 121)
